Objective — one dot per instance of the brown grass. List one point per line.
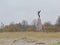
(32, 35)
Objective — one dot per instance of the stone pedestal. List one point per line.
(39, 25)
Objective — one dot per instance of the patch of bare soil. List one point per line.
(25, 41)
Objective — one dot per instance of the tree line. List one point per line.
(24, 26)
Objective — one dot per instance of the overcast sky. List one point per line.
(18, 10)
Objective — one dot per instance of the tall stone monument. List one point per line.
(39, 24)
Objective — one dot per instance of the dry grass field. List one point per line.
(48, 38)
(34, 35)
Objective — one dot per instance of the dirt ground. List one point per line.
(29, 38)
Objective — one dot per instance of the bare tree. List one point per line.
(2, 24)
(58, 21)
(48, 23)
(24, 25)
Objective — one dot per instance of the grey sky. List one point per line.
(18, 10)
